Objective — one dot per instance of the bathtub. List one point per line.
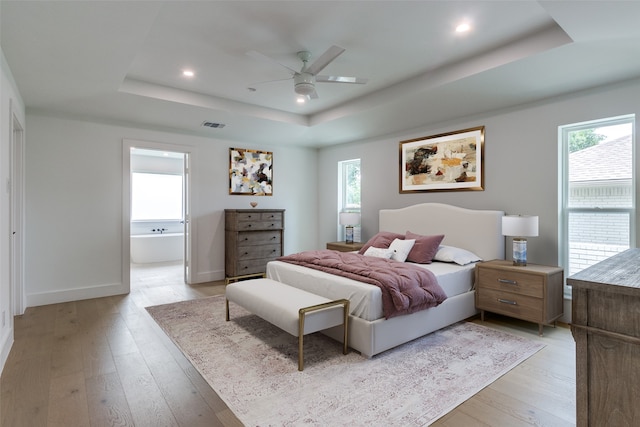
(147, 248)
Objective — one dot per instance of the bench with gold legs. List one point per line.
(291, 309)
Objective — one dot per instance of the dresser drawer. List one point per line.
(511, 304)
(252, 266)
(254, 238)
(254, 220)
(258, 251)
(511, 281)
(259, 225)
(271, 216)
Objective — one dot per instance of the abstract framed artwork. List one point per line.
(250, 172)
(446, 162)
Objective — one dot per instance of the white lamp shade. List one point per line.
(519, 225)
(349, 218)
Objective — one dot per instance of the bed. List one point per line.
(370, 333)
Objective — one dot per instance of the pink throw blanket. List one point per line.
(406, 288)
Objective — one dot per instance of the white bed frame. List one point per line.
(478, 231)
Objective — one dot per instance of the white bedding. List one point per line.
(365, 300)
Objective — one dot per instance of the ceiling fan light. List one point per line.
(304, 88)
(304, 84)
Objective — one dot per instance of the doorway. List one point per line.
(157, 235)
(16, 268)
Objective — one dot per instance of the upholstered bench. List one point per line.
(291, 309)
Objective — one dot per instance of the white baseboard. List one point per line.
(207, 276)
(66, 295)
(5, 348)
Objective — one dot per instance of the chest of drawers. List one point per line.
(253, 237)
(605, 322)
(532, 292)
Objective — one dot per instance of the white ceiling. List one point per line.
(122, 61)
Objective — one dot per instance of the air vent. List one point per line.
(213, 125)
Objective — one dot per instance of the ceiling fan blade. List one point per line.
(262, 57)
(313, 95)
(323, 60)
(341, 79)
(252, 86)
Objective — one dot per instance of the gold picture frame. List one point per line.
(451, 161)
(250, 172)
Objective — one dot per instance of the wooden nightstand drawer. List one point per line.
(511, 304)
(345, 247)
(510, 281)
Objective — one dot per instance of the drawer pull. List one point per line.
(248, 225)
(507, 301)
(246, 253)
(508, 282)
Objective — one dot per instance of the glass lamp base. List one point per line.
(520, 252)
(349, 234)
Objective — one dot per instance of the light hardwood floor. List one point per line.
(104, 362)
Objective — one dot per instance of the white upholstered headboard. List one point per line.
(479, 231)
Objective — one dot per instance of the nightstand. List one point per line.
(532, 292)
(345, 247)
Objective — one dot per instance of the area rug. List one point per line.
(253, 366)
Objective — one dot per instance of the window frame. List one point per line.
(343, 166)
(565, 210)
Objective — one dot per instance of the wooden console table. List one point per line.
(606, 329)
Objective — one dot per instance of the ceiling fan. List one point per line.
(304, 81)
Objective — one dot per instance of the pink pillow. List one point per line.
(381, 240)
(425, 247)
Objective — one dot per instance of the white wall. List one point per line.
(521, 164)
(74, 204)
(11, 104)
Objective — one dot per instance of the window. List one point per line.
(156, 197)
(598, 187)
(349, 192)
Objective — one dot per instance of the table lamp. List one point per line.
(349, 219)
(519, 227)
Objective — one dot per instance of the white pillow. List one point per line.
(401, 248)
(457, 255)
(378, 252)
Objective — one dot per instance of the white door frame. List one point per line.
(186, 198)
(16, 202)
(190, 238)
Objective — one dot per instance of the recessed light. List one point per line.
(301, 99)
(188, 73)
(463, 28)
